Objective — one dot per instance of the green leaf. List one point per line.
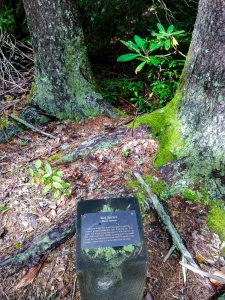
(48, 169)
(46, 175)
(167, 44)
(42, 180)
(140, 42)
(4, 208)
(161, 28)
(56, 193)
(146, 59)
(179, 32)
(170, 29)
(140, 67)
(154, 46)
(31, 172)
(154, 60)
(67, 193)
(66, 185)
(57, 185)
(47, 188)
(127, 57)
(31, 180)
(130, 45)
(38, 164)
(56, 178)
(59, 173)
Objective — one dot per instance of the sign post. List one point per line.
(111, 256)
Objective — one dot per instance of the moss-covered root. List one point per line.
(100, 142)
(165, 125)
(11, 128)
(42, 244)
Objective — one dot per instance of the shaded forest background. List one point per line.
(105, 23)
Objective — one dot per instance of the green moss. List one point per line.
(190, 194)
(216, 220)
(158, 186)
(32, 92)
(54, 157)
(121, 113)
(223, 251)
(165, 125)
(4, 123)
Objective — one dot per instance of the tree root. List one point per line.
(30, 115)
(104, 141)
(28, 125)
(43, 243)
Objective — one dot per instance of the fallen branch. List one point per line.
(203, 273)
(28, 125)
(103, 141)
(177, 241)
(43, 244)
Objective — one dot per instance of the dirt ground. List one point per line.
(100, 174)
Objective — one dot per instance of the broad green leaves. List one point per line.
(140, 42)
(144, 49)
(127, 57)
(50, 179)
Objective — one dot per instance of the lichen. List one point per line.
(165, 126)
(108, 254)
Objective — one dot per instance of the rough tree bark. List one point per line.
(191, 127)
(202, 106)
(64, 82)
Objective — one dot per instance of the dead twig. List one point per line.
(31, 126)
(202, 273)
(177, 241)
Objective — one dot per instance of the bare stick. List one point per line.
(177, 241)
(169, 253)
(203, 273)
(31, 126)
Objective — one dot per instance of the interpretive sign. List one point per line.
(109, 229)
(111, 256)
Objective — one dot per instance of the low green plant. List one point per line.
(147, 50)
(125, 153)
(18, 245)
(159, 53)
(50, 179)
(22, 143)
(133, 90)
(7, 21)
(4, 208)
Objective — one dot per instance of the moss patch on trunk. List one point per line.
(165, 126)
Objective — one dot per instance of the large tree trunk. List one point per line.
(191, 128)
(202, 106)
(64, 83)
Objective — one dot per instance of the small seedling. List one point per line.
(4, 208)
(50, 179)
(18, 245)
(125, 153)
(22, 143)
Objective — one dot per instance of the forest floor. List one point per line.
(100, 174)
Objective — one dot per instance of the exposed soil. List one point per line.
(100, 174)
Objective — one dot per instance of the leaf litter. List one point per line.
(100, 174)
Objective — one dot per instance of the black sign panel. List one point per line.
(109, 229)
